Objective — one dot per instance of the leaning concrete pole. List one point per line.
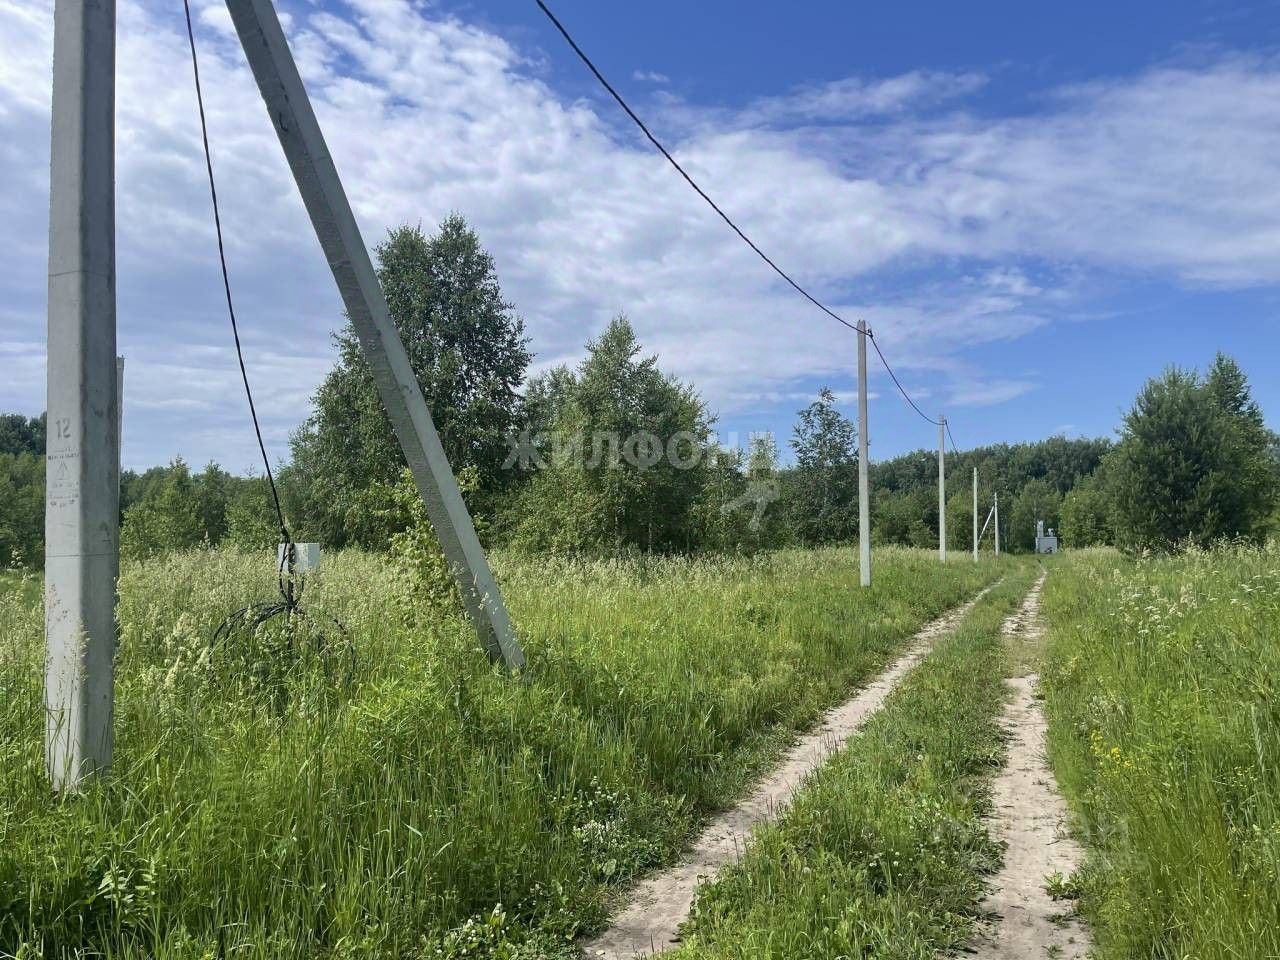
(82, 485)
(942, 489)
(335, 225)
(997, 511)
(864, 462)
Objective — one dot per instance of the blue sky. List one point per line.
(1036, 206)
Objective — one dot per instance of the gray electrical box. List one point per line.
(1045, 542)
(306, 557)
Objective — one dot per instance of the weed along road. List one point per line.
(243, 769)
(660, 905)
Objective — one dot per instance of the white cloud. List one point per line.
(989, 393)
(847, 184)
(855, 98)
(650, 76)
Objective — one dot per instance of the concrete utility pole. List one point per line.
(304, 146)
(82, 484)
(942, 489)
(997, 509)
(975, 514)
(864, 464)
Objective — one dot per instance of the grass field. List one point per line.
(386, 793)
(883, 853)
(1165, 733)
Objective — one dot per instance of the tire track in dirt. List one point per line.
(1030, 817)
(659, 904)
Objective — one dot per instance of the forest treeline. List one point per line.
(614, 454)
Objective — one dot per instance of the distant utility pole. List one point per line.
(942, 489)
(975, 514)
(267, 51)
(82, 484)
(864, 464)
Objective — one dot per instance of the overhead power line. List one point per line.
(226, 281)
(954, 448)
(724, 216)
(675, 163)
(901, 389)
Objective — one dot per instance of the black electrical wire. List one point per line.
(663, 150)
(231, 310)
(954, 448)
(901, 389)
(724, 216)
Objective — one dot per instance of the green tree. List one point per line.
(19, 434)
(166, 518)
(21, 509)
(904, 497)
(469, 353)
(822, 490)
(960, 520)
(763, 523)
(1246, 497)
(1192, 465)
(251, 515)
(1038, 500)
(719, 524)
(627, 457)
(212, 492)
(1086, 514)
(908, 517)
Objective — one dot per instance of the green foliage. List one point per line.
(1161, 694)
(960, 518)
(469, 353)
(904, 490)
(19, 434)
(763, 524)
(596, 469)
(212, 493)
(428, 590)
(1193, 463)
(21, 510)
(717, 517)
(167, 509)
(251, 520)
(821, 496)
(627, 460)
(1085, 519)
(909, 517)
(166, 518)
(1036, 501)
(377, 814)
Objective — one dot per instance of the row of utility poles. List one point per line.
(82, 505)
(864, 478)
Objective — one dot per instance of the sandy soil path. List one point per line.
(1030, 817)
(659, 904)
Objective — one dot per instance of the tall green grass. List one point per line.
(1165, 734)
(884, 850)
(385, 792)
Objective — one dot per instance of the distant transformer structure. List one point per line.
(1045, 542)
